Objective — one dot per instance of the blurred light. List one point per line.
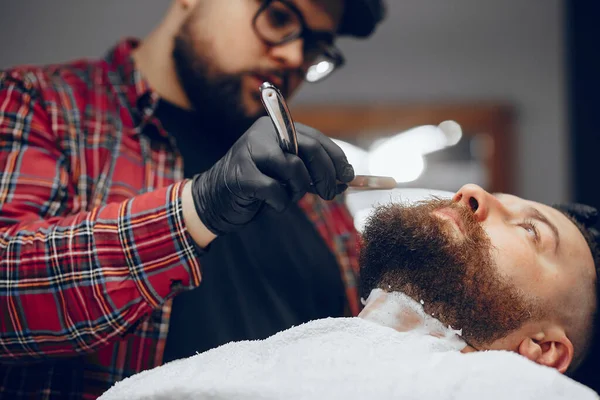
(318, 71)
(401, 156)
(422, 139)
(357, 157)
(323, 67)
(452, 131)
(400, 163)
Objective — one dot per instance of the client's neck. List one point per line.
(400, 312)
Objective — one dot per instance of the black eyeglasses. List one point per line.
(278, 22)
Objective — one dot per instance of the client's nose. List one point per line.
(475, 198)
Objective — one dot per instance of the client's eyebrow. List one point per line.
(534, 213)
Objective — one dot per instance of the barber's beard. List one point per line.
(411, 250)
(216, 98)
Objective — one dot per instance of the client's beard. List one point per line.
(216, 98)
(410, 250)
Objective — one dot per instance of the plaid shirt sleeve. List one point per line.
(71, 282)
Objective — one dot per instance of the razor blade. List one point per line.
(280, 115)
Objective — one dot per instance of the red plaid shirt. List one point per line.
(91, 228)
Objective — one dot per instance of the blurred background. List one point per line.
(509, 71)
(497, 67)
(519, 76)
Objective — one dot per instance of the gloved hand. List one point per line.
(256, 171)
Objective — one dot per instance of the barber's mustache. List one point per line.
(278, 77)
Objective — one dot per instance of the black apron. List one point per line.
(275, 273)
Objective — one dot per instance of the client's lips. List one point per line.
(451, 215)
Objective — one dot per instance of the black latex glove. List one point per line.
(256, 171)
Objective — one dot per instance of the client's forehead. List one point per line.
(515, 202)
(573, 242)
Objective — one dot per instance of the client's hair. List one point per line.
(585, 363)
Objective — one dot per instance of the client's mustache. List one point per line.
(468, 223)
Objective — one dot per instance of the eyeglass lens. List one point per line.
(278, 23)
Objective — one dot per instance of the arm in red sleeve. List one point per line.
(70, 284)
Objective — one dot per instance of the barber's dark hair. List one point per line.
(361, 17)
(586, 218)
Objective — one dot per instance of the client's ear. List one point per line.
(552, 349)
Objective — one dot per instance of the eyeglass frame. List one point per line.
(305, 32)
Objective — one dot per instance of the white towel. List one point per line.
(349, 358)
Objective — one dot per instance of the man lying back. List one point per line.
(478, 296)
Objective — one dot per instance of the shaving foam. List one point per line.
(398, 311)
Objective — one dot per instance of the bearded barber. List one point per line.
(146, 211)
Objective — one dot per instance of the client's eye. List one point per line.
(532, 229)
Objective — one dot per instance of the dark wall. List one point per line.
(583, 38)
(583, 66)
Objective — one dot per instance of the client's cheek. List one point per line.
(520, 266)
(510, 253)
